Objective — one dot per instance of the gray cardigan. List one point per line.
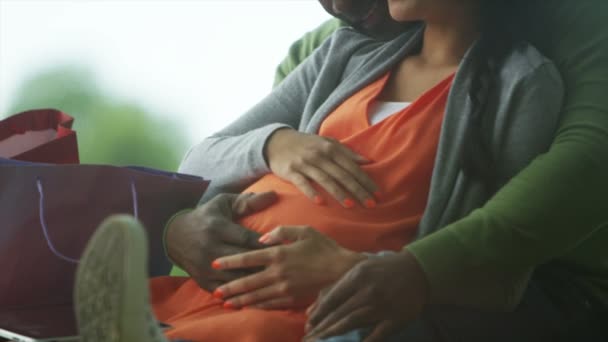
(526, 107)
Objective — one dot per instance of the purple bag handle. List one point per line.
(45, 230)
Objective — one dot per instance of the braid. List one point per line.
(496, 41)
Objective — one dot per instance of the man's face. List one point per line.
(371, 17)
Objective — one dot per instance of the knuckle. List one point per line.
(281, 273)
(291, 167)
(211, 225)
(309, 230)
(276, 275)
(324, 178)
(205, 245)
(279, 255)
(246, 259)
(298, 161)
(302, 183)
(250, 298)
(315, 154)
(327, 147)
(284, 288)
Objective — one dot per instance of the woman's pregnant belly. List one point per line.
(388, 226)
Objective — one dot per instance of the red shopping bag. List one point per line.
(43, 135)
(49, 212)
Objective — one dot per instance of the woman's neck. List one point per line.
(448, 38)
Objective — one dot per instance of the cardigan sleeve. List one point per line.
(233, 158)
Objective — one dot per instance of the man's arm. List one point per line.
(558, 202)
(304, 47)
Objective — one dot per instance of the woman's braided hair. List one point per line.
(499, 36)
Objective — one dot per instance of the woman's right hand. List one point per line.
(301, 158)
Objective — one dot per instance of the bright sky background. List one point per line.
(203, 61)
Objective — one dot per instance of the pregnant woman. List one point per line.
(428, 125)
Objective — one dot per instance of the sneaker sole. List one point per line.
(111, 295)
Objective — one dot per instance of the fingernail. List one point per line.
(319, 200)
(264, 238)
(348, 203)
(218, 294)
(216, 265)
(370, 203)
(228, 305)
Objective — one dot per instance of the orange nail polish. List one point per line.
(228, 305)
(319, 200)
(349, 203)
(216, 265)
(218, 294)
(370, 203)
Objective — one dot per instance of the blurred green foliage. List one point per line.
(110, 130)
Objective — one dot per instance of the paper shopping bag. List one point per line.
(49, 212)
(43, 135)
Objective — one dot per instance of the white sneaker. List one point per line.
(111, 295)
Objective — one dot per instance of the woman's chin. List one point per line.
(384, 30)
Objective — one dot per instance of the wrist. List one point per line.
(416, 275)
(175, 224)
(271, 141)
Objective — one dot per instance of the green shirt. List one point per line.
(555, 211)
(304, 47)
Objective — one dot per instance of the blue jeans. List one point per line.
(543, 315)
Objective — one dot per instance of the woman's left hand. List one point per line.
(302, 263)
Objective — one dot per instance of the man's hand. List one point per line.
(196, 238)
(385, 293)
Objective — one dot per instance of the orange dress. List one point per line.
(402, 149)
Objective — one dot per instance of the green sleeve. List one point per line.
(304, 47)
(557, 208)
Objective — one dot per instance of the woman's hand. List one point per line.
(301, 158)
(385, 293)
(304, 262)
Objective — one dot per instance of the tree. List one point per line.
(110, 131)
